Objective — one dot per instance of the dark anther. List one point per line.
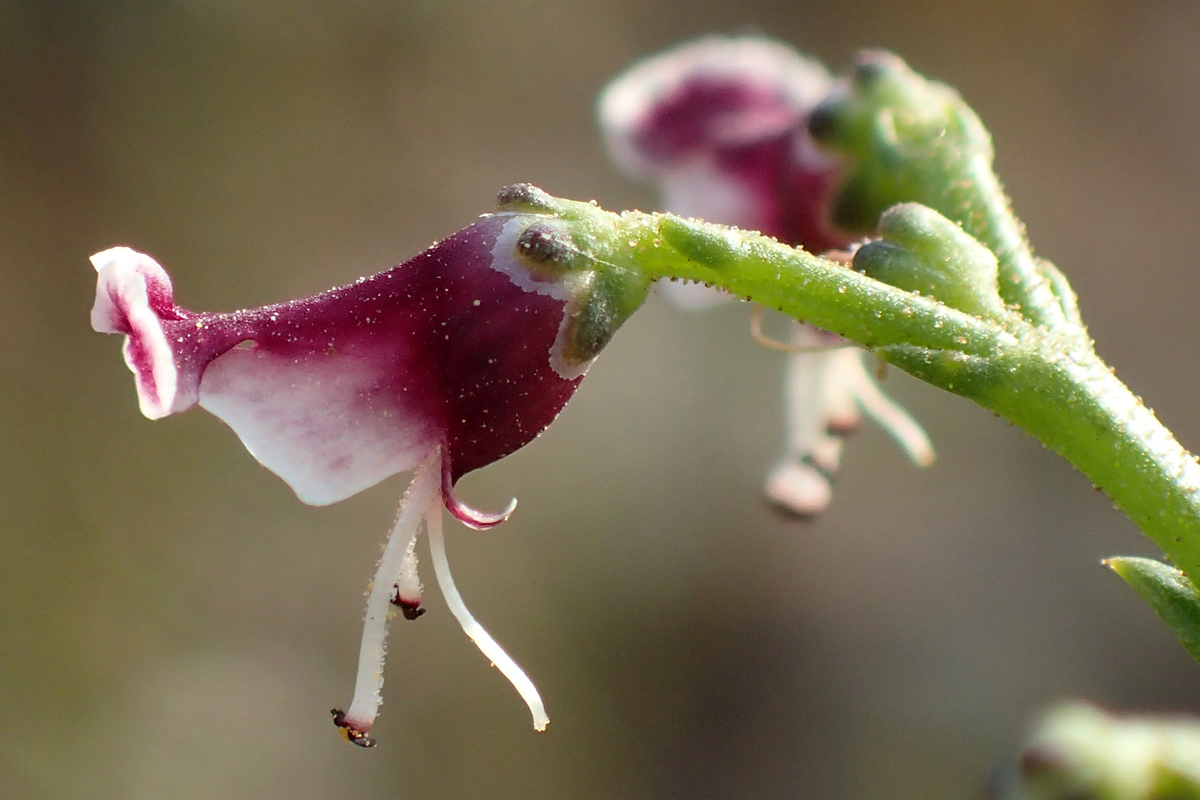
(524, 197)
(350, 734)
(411, 609)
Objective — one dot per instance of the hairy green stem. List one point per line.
(1046, 380)
(909, 139)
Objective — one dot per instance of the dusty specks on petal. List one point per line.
(338, 391)
(317, 420)
(447, 363)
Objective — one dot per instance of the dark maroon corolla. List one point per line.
(445, 364)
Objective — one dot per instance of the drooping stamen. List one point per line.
(840, 406)
(406, 593)
(801, 483)
(889, 415)
(419, 499)
(467, 515)
(475, 632)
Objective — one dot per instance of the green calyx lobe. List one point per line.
(607, 300)
(526, 197)
(602, 295)
(923, 252)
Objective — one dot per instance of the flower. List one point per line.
(445, 364)
(719, 124)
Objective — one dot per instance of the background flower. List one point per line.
(719, 125)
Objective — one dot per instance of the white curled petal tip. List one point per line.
(133, 293)
(120, 271)
(468, 515)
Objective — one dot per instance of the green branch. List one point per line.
(1045, 380)
(949, 292)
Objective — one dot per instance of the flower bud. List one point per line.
(922, 251)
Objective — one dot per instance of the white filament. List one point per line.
(809, 378)
(475, 632)
(420, 500)
(408, 583)
(889, 415)
(800, 481)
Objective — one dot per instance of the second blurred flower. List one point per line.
(719, 125)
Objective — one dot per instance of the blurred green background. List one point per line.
(174, 624)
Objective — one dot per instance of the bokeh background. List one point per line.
(174, 624)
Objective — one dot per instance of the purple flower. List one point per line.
(719, 125)
(445, 363)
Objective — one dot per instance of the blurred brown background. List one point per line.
(174, 624)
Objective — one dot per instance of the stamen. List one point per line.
(475, 632)
(801, 483)
(889, 415)
(398, 557)
(406, 593)
(840, 406)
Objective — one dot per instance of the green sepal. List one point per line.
(1169, 593)
(528, 198)
(923, 252)
(600, 305)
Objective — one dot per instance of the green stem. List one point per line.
(1074, 404)
(1046, 380)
